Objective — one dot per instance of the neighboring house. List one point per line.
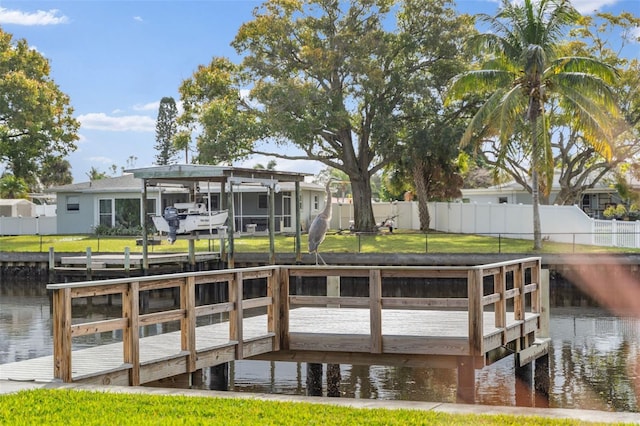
(19, 207)
(593, 200)
(115, 202)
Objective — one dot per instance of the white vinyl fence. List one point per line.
(565, 224)
(43, 225)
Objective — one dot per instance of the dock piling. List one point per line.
(314, 379)
(89, 263)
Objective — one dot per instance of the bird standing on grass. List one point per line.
(320, 226)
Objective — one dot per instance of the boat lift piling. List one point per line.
(227, 177)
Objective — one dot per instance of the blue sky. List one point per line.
(117, 59)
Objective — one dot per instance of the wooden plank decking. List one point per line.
(344, 330)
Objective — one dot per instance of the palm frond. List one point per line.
(478, 81)
(511, 112)
(481, 121)
(579, 64)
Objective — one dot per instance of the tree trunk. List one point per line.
(423, 195)
(535, 189)
(364, 220)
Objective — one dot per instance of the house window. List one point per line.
(127, 212)
(262, 201)
(73, 204)
(106, 212)
(503, 200)
(316, 202)
(151, 207)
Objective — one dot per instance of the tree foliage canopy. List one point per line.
(13, 187)
(330, 78)
(36, 119)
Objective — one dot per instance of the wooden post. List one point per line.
(333, 380)
(474, 292)
(375, 310)
(188, 321)
(524, 385)
(333, 289)
(192, 255)
(500, 286)
(272, 224)
(62, 334)
(544, 303)
(314, 379)
(127, 260)
(273, 310)
(235, 316)
(519, 299)
(541, 370)
(88, 263)
(145, 230)
(298, 223)
(131, 334)
(232, 226)
(466, 390)
(219, 377)
(284, 309)
(52, 265)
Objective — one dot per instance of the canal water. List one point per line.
(593, 359)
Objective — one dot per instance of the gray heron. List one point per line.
(320, 226)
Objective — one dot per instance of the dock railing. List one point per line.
(131, 319)
(511, 289)
(486, 291)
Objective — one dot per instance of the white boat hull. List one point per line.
(193, 222)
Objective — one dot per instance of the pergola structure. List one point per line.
(189, 174)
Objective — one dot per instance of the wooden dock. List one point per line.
(92, 265)
(503, 306)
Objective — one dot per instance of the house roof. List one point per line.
(124, 183)
(515, 187)
(179, 173)
(129, 183)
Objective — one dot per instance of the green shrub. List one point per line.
(117, 230)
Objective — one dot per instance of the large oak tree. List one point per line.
(327, 77)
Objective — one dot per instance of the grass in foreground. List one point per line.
(398, 242)
(70, 407)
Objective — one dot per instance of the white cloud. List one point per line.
(151, 106)
(40, 17)
(99, 159)
(589, 6)
(129, 123)
(138, 18)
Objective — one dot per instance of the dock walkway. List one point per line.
(503, 306)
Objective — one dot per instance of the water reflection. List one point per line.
(591, 351)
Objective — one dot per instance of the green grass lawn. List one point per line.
(398, 242)
(68, 407)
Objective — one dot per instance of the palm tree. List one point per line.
(523, 73)
(13, 187)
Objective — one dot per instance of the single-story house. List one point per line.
(116, 202)
(593, 200)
